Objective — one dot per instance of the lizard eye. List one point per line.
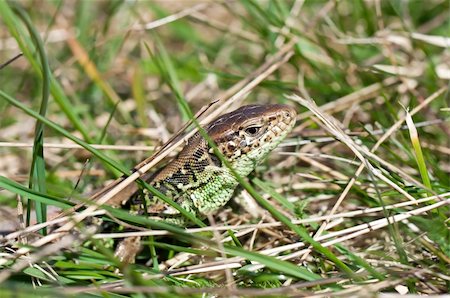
(252, 130)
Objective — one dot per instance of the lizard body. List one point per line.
(197, 180)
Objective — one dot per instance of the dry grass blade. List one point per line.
(352, 99)
(334, 128)
(331, 125)
(164, 21)
(248, 227)
(341, 236)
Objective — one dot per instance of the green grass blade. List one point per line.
(37, 172)
(361, 262)
(418, 151)
(139, 96)
(267, 189)
(168, 72)
(42, 198)
(273, 263)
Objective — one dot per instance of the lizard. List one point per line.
(197, 180)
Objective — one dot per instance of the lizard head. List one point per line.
(249, 133)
